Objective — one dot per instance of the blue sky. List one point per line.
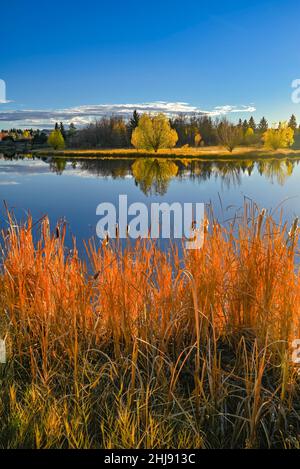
(66, 59)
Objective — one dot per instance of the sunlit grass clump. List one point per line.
(147, 349)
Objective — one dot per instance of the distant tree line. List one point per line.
(192, 131)
(24, 135)
(40, 137)
(116, 132)
(152, 132)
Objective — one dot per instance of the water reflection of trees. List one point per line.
(153, 175)
(276, 170)
(57, 165)
(116, 168)
(97, 167)
(229, 172)
(12, 156)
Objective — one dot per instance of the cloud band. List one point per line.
(83, 115)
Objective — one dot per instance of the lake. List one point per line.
(71, 190)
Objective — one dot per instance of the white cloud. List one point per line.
(8, 183)
(83, 115)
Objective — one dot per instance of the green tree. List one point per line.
(71, 134)
(293, 122)
(72, 130)
(134, 121)
(263, 125)
(245, 126)
(62, 130)
(56, 140)
(153, 133)
(252, 124)
(40, 138)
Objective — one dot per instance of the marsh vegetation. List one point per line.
(149, 349)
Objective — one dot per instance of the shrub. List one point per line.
(229, 135)
(282, 137)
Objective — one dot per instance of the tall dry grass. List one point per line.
(151, 349)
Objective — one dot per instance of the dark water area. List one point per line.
(70, 190)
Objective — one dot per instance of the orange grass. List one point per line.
(151, 349)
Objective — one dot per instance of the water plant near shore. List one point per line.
(151, 349)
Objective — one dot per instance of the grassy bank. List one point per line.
(204, 153)
(149, 350)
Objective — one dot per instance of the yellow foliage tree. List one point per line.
(26, 134)
(249, 136)
(249, 132)
(282, 137)
(56, 140)
(153, 133)
(197, 139)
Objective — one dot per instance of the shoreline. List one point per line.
(205, 154)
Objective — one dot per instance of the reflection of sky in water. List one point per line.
(63, 191)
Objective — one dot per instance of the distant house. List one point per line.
(2, 135)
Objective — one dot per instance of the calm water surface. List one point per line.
(72, 190)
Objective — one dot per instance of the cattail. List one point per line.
(294, 228)
(106, 240)
(96, 275)
(206, 225)
(46, 228)
(259, 222)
